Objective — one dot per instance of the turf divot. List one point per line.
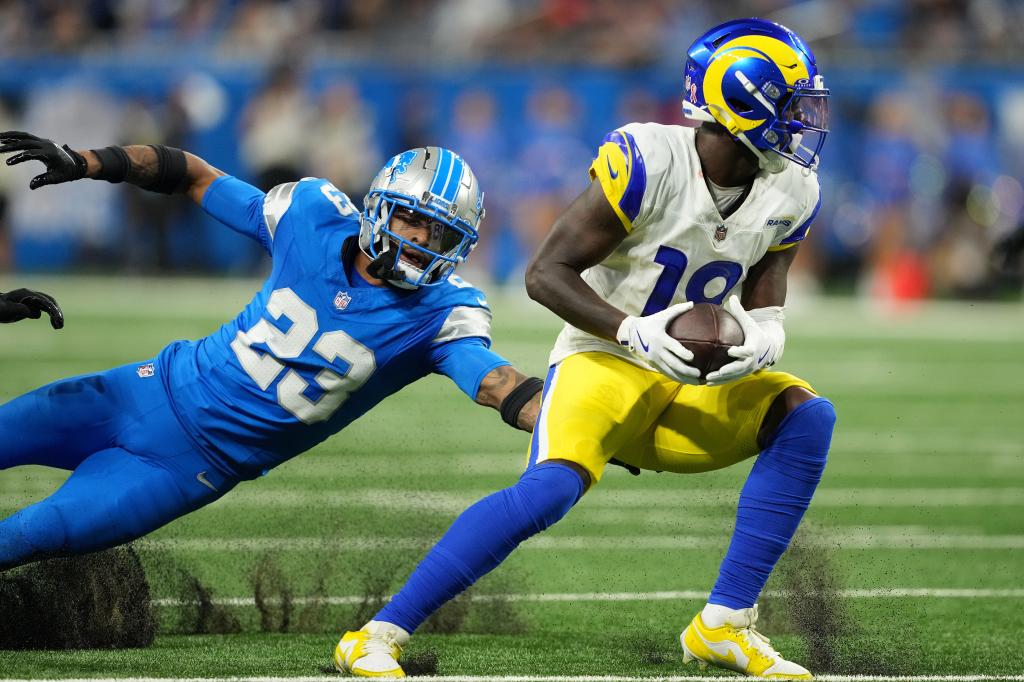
(95, 601)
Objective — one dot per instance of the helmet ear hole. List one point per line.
(739, 106)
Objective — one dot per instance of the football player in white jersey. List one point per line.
(674, 216)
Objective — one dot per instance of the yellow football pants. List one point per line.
(598, 406)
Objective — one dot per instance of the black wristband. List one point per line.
(114, 164)
(172, 169)
(516, 400)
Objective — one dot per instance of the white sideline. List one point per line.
(547, 678)
(878, 593)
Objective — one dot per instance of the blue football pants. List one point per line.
(133, 467)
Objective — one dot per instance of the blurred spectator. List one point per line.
(895, 271)
(6, 123)
(921, 173)
(276, 140)
(346, 150)
(601, 31)
(960, 257)
(57, 226)
(477, 135)
(150, 218)
(553, 162)
(971, 154)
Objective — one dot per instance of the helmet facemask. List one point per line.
(410, 264)
(801, 125)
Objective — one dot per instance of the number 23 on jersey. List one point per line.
(264, 368)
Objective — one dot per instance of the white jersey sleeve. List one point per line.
(791, 230)
(633, 169)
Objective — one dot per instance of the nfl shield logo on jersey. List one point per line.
(721, 232)
(341, 300)
(145, 371)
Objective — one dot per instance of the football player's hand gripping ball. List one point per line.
(63, 164)
(756, 352)
(25, 303)
(648, 338)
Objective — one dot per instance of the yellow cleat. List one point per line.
(738, 646)
(372, 651)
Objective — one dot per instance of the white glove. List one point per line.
(763, 341)
(646, 336)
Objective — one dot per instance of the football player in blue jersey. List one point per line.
(23, 304)
(357, 306)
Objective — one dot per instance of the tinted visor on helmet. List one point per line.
(803, 125)
(442, 239)
(433, 252)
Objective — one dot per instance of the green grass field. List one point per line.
(910, 561)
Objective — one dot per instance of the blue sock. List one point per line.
(773, 501)
(481, 538)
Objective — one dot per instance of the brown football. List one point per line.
(708, 330)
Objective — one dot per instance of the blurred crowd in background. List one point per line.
(921, 175)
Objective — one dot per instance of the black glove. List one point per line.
(63, 164)
(22, 303)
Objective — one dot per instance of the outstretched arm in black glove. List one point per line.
(152, 167)
(21, 303)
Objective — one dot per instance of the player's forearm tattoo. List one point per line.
(497, 384)
(530, 412)
(154, 168)
(144, 168)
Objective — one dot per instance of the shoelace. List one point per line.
(759, 642)
(380, 644)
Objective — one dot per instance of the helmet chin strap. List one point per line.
(384, 267)
(769, 163)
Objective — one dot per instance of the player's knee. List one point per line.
(43, 526)
(548, 491)
(784, 404)
(33, 533)
(800, 445)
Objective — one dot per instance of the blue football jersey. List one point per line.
(318, 346)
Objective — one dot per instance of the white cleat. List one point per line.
(372, 651)
(738, 646)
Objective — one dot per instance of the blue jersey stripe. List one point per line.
(444, 169)
(633, 198)
(801, 232)
(451, 190)
(636, 186)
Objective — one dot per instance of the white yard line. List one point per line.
(549, 678)
(571, 597)
(862, 539)
(263, 496)
(626, 500)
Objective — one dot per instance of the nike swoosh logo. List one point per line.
(729, 660)
(611, 171)
(724, 652)
(642, 344)
(201, 477)
(761, 359)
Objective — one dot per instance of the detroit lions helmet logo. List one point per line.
(399, 164)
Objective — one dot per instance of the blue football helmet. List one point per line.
(429, 186)
(760, 81)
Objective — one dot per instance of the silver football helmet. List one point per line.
(429, 186)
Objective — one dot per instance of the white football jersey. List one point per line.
(678, 247)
